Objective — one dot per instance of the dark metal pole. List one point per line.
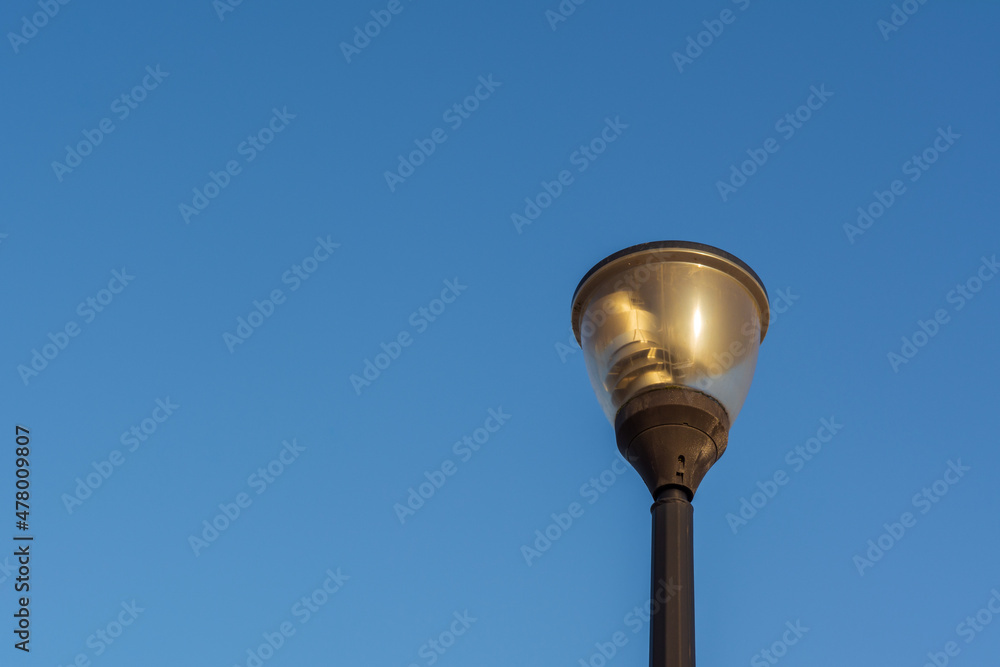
(671, 625)
(672, 437)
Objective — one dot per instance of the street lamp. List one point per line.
(670, 333)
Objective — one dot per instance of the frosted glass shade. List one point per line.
(666, 314)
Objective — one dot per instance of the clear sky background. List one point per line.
(327, 126)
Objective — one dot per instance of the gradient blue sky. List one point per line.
(849, 300)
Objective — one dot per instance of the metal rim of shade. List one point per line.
(674, 251)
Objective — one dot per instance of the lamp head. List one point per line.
(670, 333)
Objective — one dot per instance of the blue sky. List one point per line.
(217, 214)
